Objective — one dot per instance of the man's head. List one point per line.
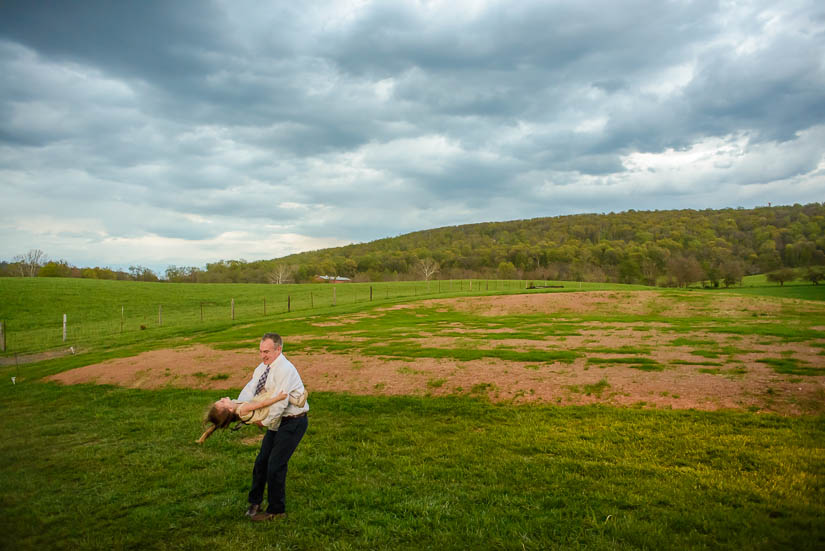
(271, 346)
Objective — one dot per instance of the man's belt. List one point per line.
(298, 416)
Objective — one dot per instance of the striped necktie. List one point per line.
(262, 381)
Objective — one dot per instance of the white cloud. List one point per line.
(731, 160)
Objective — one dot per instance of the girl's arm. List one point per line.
(246, 407)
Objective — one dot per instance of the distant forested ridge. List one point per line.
(673, 247)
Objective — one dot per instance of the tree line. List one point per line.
(666, 248)
(35, 263)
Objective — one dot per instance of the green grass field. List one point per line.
(758, 285)
(110, 468)
(102, 467)
(100, 313)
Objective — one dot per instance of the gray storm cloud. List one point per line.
(208, 130)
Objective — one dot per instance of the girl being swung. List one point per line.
(226, 411)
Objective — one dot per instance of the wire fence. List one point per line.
(133, 321)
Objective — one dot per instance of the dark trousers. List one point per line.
(271, 463)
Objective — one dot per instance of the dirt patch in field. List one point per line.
(699, 370)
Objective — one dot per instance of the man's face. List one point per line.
(269, 352)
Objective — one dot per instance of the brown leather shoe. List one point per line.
(253, 509)
(262, 516)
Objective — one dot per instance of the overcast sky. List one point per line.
(185, 132)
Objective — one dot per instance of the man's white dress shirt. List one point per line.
(282, 377)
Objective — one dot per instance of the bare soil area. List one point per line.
(736, 381)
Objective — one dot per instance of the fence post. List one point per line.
(160, 315)
(333, 296)
(201, 311)
(121, 318)
(233, 308)
(288, 304)
(2, 336)
(311, 300)
(370, 293)
(64, 327)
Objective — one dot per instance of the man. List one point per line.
(276, 373)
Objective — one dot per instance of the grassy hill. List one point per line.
(674, 247)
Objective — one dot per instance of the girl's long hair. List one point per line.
(220, 419)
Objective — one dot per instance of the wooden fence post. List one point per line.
(311, 300)
(233, 308)
(2, 336)
(370, 293)
(121, 318)
(64, 327)
(288, 304)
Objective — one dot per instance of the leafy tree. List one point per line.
(685, 270)
(187, 274)
(630, 270)
(60, 268)
(815, 274)
(713, 274)
(345, 266)
(732, 272)
(782, 275)
(506, 270)
(141, 273)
